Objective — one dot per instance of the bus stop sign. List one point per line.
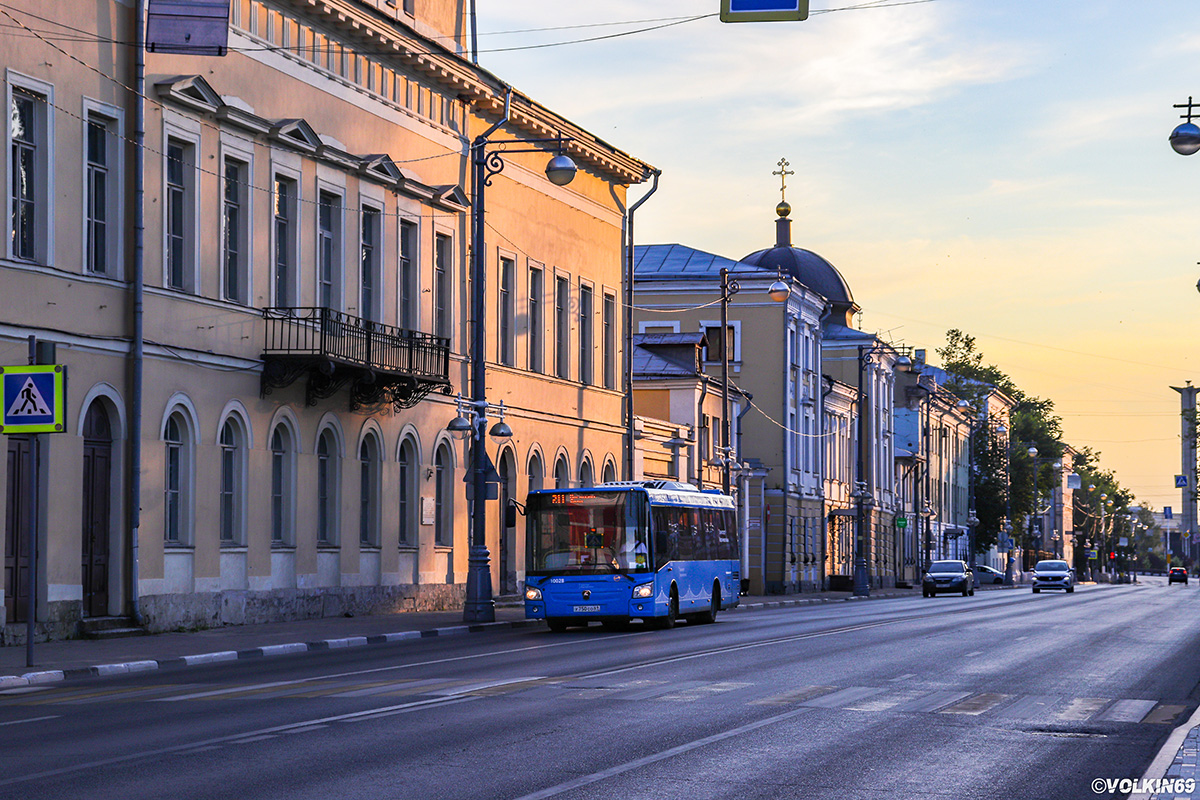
(763, 10)
(33, 399)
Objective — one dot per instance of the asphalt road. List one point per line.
(1005, 694)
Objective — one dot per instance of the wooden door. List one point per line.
(16, 530)
(97, 481)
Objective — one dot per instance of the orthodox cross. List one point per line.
(783, 172)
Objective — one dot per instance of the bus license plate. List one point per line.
(585, 609)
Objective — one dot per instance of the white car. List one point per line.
(988, 575)
(1053, 574)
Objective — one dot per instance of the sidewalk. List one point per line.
(76, 658)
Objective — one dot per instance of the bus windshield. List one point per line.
(586, 532)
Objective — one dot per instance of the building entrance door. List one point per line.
(97, 481)
(16, 530)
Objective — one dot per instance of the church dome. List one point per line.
(805, 266)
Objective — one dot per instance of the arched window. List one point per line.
(586, 478)
(233, 482)
(610, 473)
(177, 480)
(443, 500)
(536, 475)
(282, 482)
(327, 489)
(562, 475)
(368, 491)
(408, 493)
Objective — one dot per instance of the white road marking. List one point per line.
(31, 719)
(596, 777)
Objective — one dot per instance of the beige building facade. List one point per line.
(305, 313)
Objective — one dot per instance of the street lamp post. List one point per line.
(866, 354)
(976, 423)
(486, 164)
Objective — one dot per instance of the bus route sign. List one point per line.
(33, 399)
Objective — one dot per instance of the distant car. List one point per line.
(1177, 575)
(1053, 575)
(948, 576)
(989, 575)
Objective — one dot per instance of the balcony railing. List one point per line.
(382, 363)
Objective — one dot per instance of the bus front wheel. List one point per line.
(672, 616)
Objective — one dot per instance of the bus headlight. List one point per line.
(533, 594)
(645, 590)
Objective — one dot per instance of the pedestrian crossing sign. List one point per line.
(33, 399)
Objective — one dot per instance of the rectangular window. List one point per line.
(441, 286)
(278, 465)
(99, 197)
(285, 241)
(610, 341)
(586, 374)
(537, 324)
(370, 274)
(235, 245)
(562, 328)
(29, 197)
(504, 325)
(180, 202)
(329, 227)
(408, 274)
(174, 492)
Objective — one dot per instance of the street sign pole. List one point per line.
(31, 608)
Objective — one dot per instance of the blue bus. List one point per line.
(654, 550)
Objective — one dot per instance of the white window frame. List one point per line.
(291, 297)
(562, 326)
(337, 279)
(233, 465)
(187, 133)
(369, 204)
(187, 478)
(114, 118)
(536, 328)
(609, 323)
(43, 236)
(506, 308)
(370, 507)
(443, 322)
(408, 271)
(285, 461)
(333, 462)
(586, 317)
(242, 153)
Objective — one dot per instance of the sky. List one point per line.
(1000, 168)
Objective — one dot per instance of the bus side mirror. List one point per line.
(510, 515)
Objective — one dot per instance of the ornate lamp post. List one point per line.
(866, 356)
(779, 292)
(486, 164)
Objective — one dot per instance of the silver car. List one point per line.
(1053, 574)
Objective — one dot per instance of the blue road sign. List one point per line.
(1167, 513)
(33, 399)
(763, 10)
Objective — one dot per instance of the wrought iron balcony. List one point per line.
(381, 363)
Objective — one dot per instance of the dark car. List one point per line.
(948, 576)
(988, 575)
(1177, 575)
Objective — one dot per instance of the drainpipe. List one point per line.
(628, 349)
(700, 419)
(138, 355)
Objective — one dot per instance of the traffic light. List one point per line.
(1112, 556)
